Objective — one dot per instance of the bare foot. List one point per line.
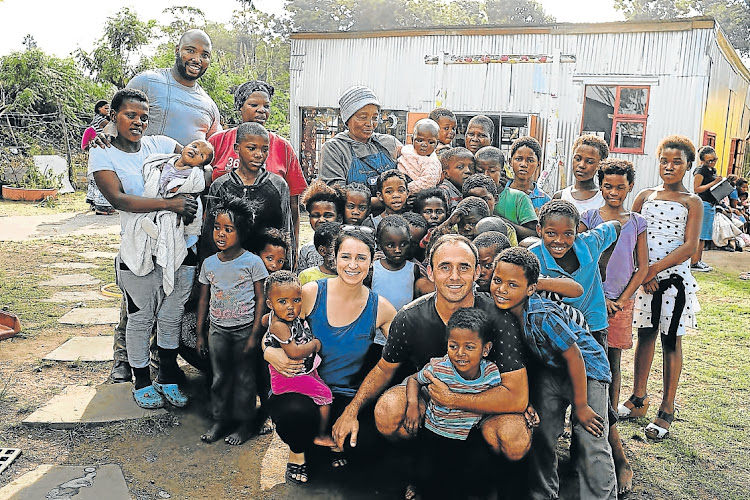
(266, 427)
(214, 433)
(326, 441)
(239, 436)
(624, 478)
(411, 492)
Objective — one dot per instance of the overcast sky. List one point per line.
(59, 27)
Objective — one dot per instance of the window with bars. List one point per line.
(618, 114)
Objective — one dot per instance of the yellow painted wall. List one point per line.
(726, 99)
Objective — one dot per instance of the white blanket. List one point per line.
(138, 250)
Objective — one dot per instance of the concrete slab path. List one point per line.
(63, 297)
(80, 279)
(66, 482)
(84, 316)
(71, 265)
(83, 349)
(90, 405)
(95, 254)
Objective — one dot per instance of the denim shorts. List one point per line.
(707, 229)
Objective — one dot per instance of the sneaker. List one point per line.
(701, 267)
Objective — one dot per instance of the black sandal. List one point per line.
(299, 470)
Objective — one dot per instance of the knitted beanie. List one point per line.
(355, 98)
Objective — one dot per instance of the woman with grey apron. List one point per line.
(358, 154)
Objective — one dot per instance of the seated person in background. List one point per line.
(458, 164)
(418, 160)
(479, 133)
(573, 370)
(444, 448)
(323, 203)
(446, 120)
(325, 234)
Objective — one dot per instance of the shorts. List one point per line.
(707, 229)
(621, 327)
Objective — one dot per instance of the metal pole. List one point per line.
(552, 153)
(67, 146)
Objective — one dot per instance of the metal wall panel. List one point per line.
(676, 62)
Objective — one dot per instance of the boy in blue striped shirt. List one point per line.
(572, 369)
(448, 443)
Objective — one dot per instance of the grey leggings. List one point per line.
(146, 304)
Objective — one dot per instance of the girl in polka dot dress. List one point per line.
(666, 304)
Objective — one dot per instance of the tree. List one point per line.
(33, 82)
(125, 37)
(732, 15)
(29, 42)
(370, 15)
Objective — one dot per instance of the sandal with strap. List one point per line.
(638, 407)
(148, 398)
(171, 393)
(298, 470)
(657, 432)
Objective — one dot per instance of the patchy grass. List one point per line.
(72, 202)
(708, 452)
(22, 269)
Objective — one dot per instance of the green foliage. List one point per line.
(732, 15)
(33, 82)
(125, 37)
(369, 15)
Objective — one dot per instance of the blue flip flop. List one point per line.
(171, 393)
(148, 398)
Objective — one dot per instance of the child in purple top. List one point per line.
(624, 273)
(628, 263)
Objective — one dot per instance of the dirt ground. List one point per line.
(159, 457)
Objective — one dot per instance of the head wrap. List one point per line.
(355, 98)
(244, 91)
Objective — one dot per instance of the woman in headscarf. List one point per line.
(253, 100)
(358, 154)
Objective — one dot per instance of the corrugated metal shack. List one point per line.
(631, 83)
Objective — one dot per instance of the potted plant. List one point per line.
(25, 181)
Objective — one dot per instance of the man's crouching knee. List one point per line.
(390, 410)
(507, 434)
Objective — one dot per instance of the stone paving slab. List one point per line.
(98, 255)
(71, 265)
(63, 297)
(67, 482)
(83, 349)
(84, 316)
(72, 280)
(90, 405)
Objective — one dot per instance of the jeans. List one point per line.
(552, 392)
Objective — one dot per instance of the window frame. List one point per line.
(622, 118)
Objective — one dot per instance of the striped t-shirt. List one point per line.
(454, 423)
